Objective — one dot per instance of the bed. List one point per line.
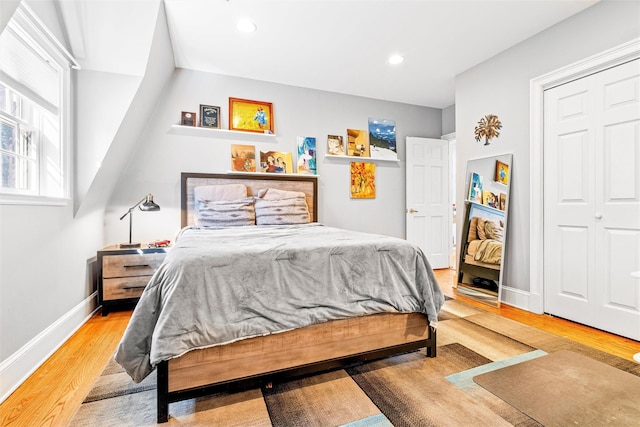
(215, 317)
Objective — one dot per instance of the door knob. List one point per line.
(599, 215)
(412, 211)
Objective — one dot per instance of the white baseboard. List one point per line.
(517, 298)
(20, 365)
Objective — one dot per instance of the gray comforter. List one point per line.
(217, 286)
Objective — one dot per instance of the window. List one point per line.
(19, 146)
(35, 88)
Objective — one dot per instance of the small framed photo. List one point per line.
(209, 116)
(502, 173)
(335, 146)
(188, 119)
(250, 116)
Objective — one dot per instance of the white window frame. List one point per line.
(33, 32)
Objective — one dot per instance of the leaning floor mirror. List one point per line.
(483, 237)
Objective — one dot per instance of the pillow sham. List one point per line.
(220, 192)
(473, 230)
(480, 229)
(277, 194)
(225, 213)
(493, 230)
(292, 210)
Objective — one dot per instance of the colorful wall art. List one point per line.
(275, 162)
(250, 116)
(306, 155)
(382, 139)
(475, 188)
(335, 145)
(363, 180)
(243, 158)
(357, 143)
(502, 173)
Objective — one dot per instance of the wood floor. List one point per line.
(54, 392)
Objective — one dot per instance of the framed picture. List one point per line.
(335, 146)
(363, 180)
(276, 162)
(209, 116)
(250, 116)
(475, 188)
(502, 172)
(357, 143)
(243, 158)
(489, 199)
(382, 139)
(306, 155)
(188, 118)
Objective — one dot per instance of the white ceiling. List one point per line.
(338, 46)
(343, 46)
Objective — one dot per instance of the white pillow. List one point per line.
(217, 193)
(276, 194)
(293, 210)
(493, 230)
(232, 213)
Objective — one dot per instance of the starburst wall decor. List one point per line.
(488, 128)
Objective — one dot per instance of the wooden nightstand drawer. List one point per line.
(123, 273)
(124, 287)
(131, 265)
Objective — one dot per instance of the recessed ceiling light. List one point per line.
(396, 59)
(246, 25)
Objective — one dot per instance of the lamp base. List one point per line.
(129, 245)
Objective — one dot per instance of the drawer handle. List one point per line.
(134, 287)
(137, 266)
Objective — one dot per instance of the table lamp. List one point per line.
(147, 205)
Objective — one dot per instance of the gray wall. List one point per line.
(501, 86)
(449, 120)
(161, 156)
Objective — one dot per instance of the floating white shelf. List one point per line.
(297, 175)
(361, 159)
(218, 133)
(487, 207)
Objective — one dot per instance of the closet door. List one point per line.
(592, 200)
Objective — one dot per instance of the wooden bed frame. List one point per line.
(257, 361)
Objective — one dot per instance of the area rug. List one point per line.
(569, 389)
(404, 390)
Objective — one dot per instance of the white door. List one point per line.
(592, 200)
(428, 209)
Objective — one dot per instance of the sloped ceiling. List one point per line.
(334, 45)
(111, 36)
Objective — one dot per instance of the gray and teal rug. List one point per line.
(404, 390)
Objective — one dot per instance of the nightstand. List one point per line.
(124, 273)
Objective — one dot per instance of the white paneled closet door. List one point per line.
(592, 200)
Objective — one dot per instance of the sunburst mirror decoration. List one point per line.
(488, 128)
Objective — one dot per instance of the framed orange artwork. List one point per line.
(363, 180)
(250, 116)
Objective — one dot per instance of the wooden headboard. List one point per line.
(306, 184)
